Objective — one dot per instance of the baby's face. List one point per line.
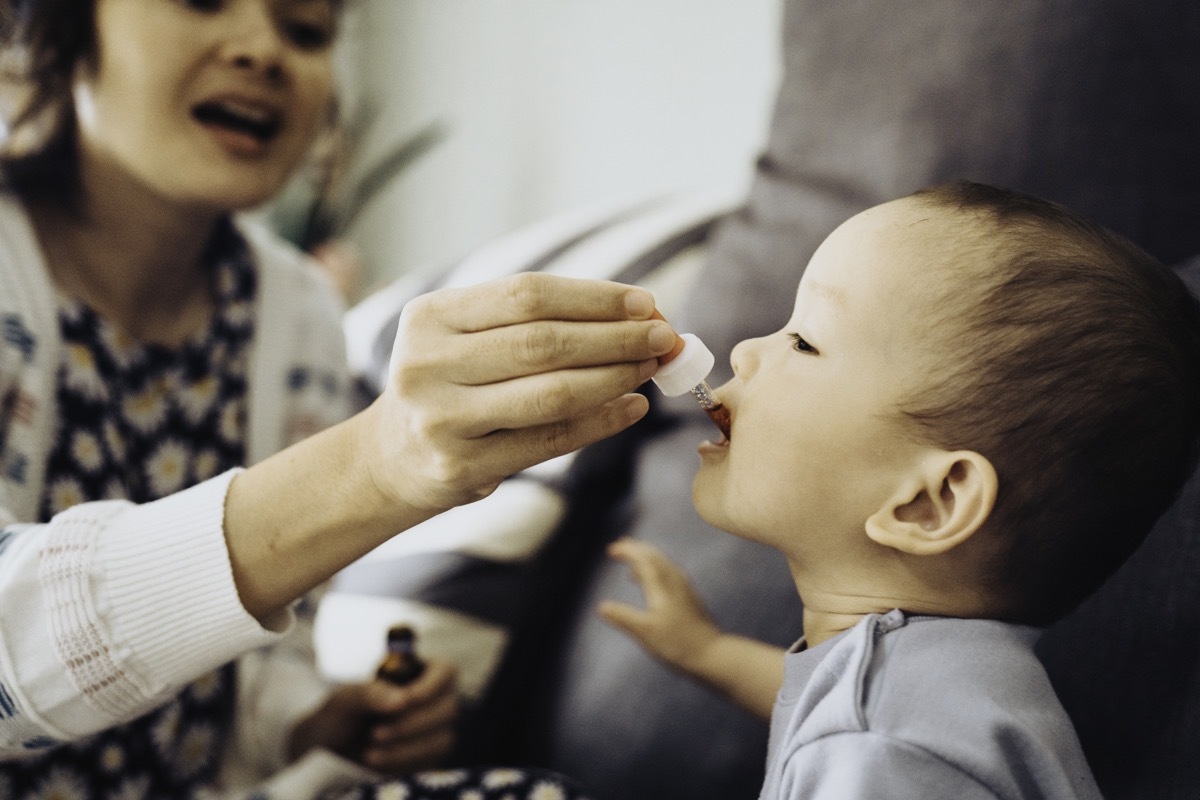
(816, 439)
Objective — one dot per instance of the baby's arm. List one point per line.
(677, 629)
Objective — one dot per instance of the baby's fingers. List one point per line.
(626, 618)
(659, 576)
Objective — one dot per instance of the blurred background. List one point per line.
(466, 119)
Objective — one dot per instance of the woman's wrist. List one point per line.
(298, 517)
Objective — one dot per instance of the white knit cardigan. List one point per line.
(111, 608)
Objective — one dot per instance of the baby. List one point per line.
(979, 407)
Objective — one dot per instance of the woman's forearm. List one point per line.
(296, 518)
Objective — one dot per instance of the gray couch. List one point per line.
(1094, 103)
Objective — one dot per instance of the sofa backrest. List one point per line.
(1126, 664)
(1092, 103)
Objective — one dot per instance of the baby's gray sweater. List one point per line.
(923, 708)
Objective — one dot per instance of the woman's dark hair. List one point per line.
(43, 42)
(1078, 375)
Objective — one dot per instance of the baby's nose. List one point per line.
(744, 357)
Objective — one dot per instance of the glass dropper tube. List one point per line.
(684, 370)
(715, 409)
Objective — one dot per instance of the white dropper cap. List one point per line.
(687, 369)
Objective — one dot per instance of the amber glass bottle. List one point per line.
(401, 665)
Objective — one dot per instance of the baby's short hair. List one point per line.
(1078, 376)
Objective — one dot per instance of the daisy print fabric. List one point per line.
(475, 783)
(139, 422)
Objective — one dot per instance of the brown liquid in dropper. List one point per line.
(719, 414)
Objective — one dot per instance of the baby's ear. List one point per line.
(945, 500)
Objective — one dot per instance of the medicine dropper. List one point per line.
(685, 370)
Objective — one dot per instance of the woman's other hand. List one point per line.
(389, 728)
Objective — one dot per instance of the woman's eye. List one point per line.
(203, 5)
(798, 343)
(308, 35)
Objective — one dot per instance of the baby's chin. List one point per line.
(712, 508)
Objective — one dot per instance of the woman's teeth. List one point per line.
(255, 121)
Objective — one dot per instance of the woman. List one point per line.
(152, 341)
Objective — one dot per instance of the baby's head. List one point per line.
(982, 402)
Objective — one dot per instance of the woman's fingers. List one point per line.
(414, 724)
(505, 451)
(418, 721)
(531, 348)
(479, 335)
(438, 400)
(533, 401)
(410, 755)
(490, 380)
(439, 679)
(537, 296)
(438, 464)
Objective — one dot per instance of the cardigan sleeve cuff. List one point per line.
(166, 608)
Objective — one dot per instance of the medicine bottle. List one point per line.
(401, 665)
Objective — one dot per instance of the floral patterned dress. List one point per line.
(139, 422)
(475, 783)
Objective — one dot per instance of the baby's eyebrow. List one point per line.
(833, 294)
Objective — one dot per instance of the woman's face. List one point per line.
(209, 104)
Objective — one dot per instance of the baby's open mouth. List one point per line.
(254, 121)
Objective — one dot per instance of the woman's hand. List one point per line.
(389, 728)
(488, 380)
(485, 381)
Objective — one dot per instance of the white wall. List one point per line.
(553, 104)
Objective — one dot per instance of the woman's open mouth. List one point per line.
(245, 128)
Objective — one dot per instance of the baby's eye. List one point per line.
(798, 343)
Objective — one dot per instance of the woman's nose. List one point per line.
(255, 43)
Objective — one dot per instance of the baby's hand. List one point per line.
(675, 627)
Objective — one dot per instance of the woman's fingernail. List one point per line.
(639, 304)
(636, 406)
(662, 338)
